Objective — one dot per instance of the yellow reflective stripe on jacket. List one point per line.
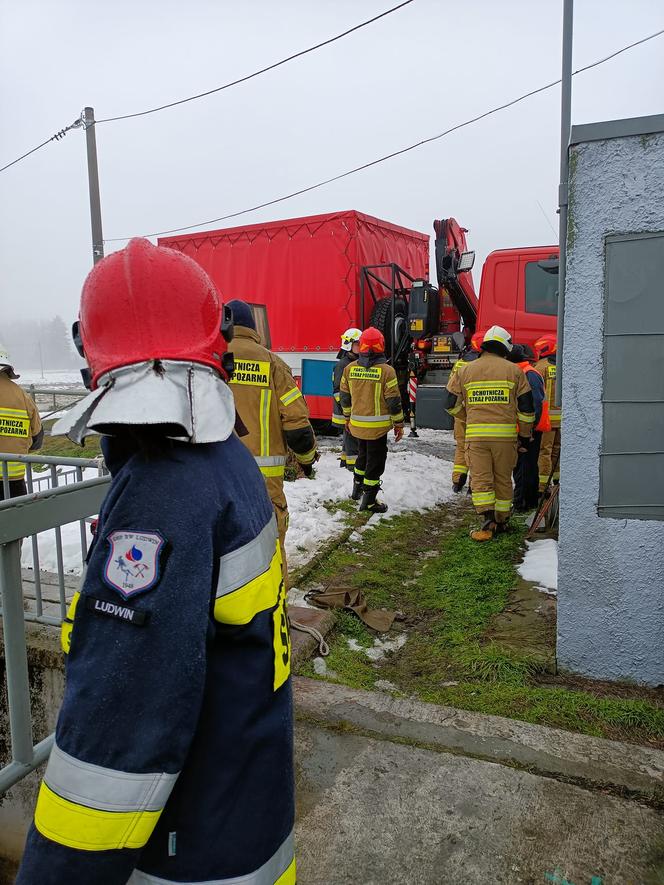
(377, 398)
(260, 594)
(14, 422)
(68, 624)
(397, 419)
(491, 431)
(392, 383)
(89, 829)
(15, 469)
(255, 373)
(272, 465)
(338, 419)
(457, 408)
(526, 417)
(291, 396)
(371, 420)
(472, 385)
(266, 398)
(106, 789)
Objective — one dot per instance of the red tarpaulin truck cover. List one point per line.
(307, 273)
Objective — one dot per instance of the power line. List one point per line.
(62, 132)
(396, 153)
(58, 135)
(271, 67)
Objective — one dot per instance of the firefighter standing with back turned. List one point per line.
(173, 748)
(371, 403)
(549, 458)
(350, 349)
(20, 426)
(273, 410)
(495, 395)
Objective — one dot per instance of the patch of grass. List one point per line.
(61, 446)
(449, 598)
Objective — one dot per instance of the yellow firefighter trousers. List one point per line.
(460, 466)
(491, 463)
(275, 489)
(549, 455)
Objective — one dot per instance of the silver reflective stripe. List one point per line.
(106, 789)
(249, 561)
(271, 461)
(370, 417)
(268, 874)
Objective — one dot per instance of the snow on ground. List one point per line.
(411, 481)
(50, 379)
(379, 648)
(70, 533)
(540, 565)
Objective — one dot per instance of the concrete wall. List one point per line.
(46, 672)
(611, 594)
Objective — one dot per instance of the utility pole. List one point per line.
(563, 189)
(88, 119)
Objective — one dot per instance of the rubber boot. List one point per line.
(460, 483)
(342, 463)
(488, 529)
(369, 501)
(358, 486)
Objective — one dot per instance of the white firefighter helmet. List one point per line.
(500, 336)
(349, 337)
(6, 363)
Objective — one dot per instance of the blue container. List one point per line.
(317, 377)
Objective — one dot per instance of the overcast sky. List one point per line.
(409, 76)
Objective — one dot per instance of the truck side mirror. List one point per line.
(549, 265)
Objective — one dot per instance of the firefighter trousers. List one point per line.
(549, 455)
(275, 489)
(371, 460)
(491, 463)
(349, 452)
(460, 467)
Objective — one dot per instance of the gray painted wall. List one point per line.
(611, 571)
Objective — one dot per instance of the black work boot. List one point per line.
(488, 529)
(358, 486)
(369, 501)
(460, 483)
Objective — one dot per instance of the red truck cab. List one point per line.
(519, 291)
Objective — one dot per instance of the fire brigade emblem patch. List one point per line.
(132, 566)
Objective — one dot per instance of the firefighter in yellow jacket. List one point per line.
(20, 426)
(549, 457)
(496, 396)
(371, 403)
(272, 409)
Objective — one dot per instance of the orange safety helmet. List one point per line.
(476, 341)
(147, 303)
(547, 345)
(372, 341)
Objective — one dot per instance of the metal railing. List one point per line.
(22, 517)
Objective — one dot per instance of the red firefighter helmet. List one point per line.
(145, 303)
(546, 346)
(372, 341)
(476, 341)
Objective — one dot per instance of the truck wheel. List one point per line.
(381, 317)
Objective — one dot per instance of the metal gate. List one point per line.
(69, 498)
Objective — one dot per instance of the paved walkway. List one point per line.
(372, 811)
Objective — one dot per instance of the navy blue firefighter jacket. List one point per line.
(173, 748)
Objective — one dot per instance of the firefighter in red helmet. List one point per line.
(172, 759)
(546, 349)
(371, 403)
